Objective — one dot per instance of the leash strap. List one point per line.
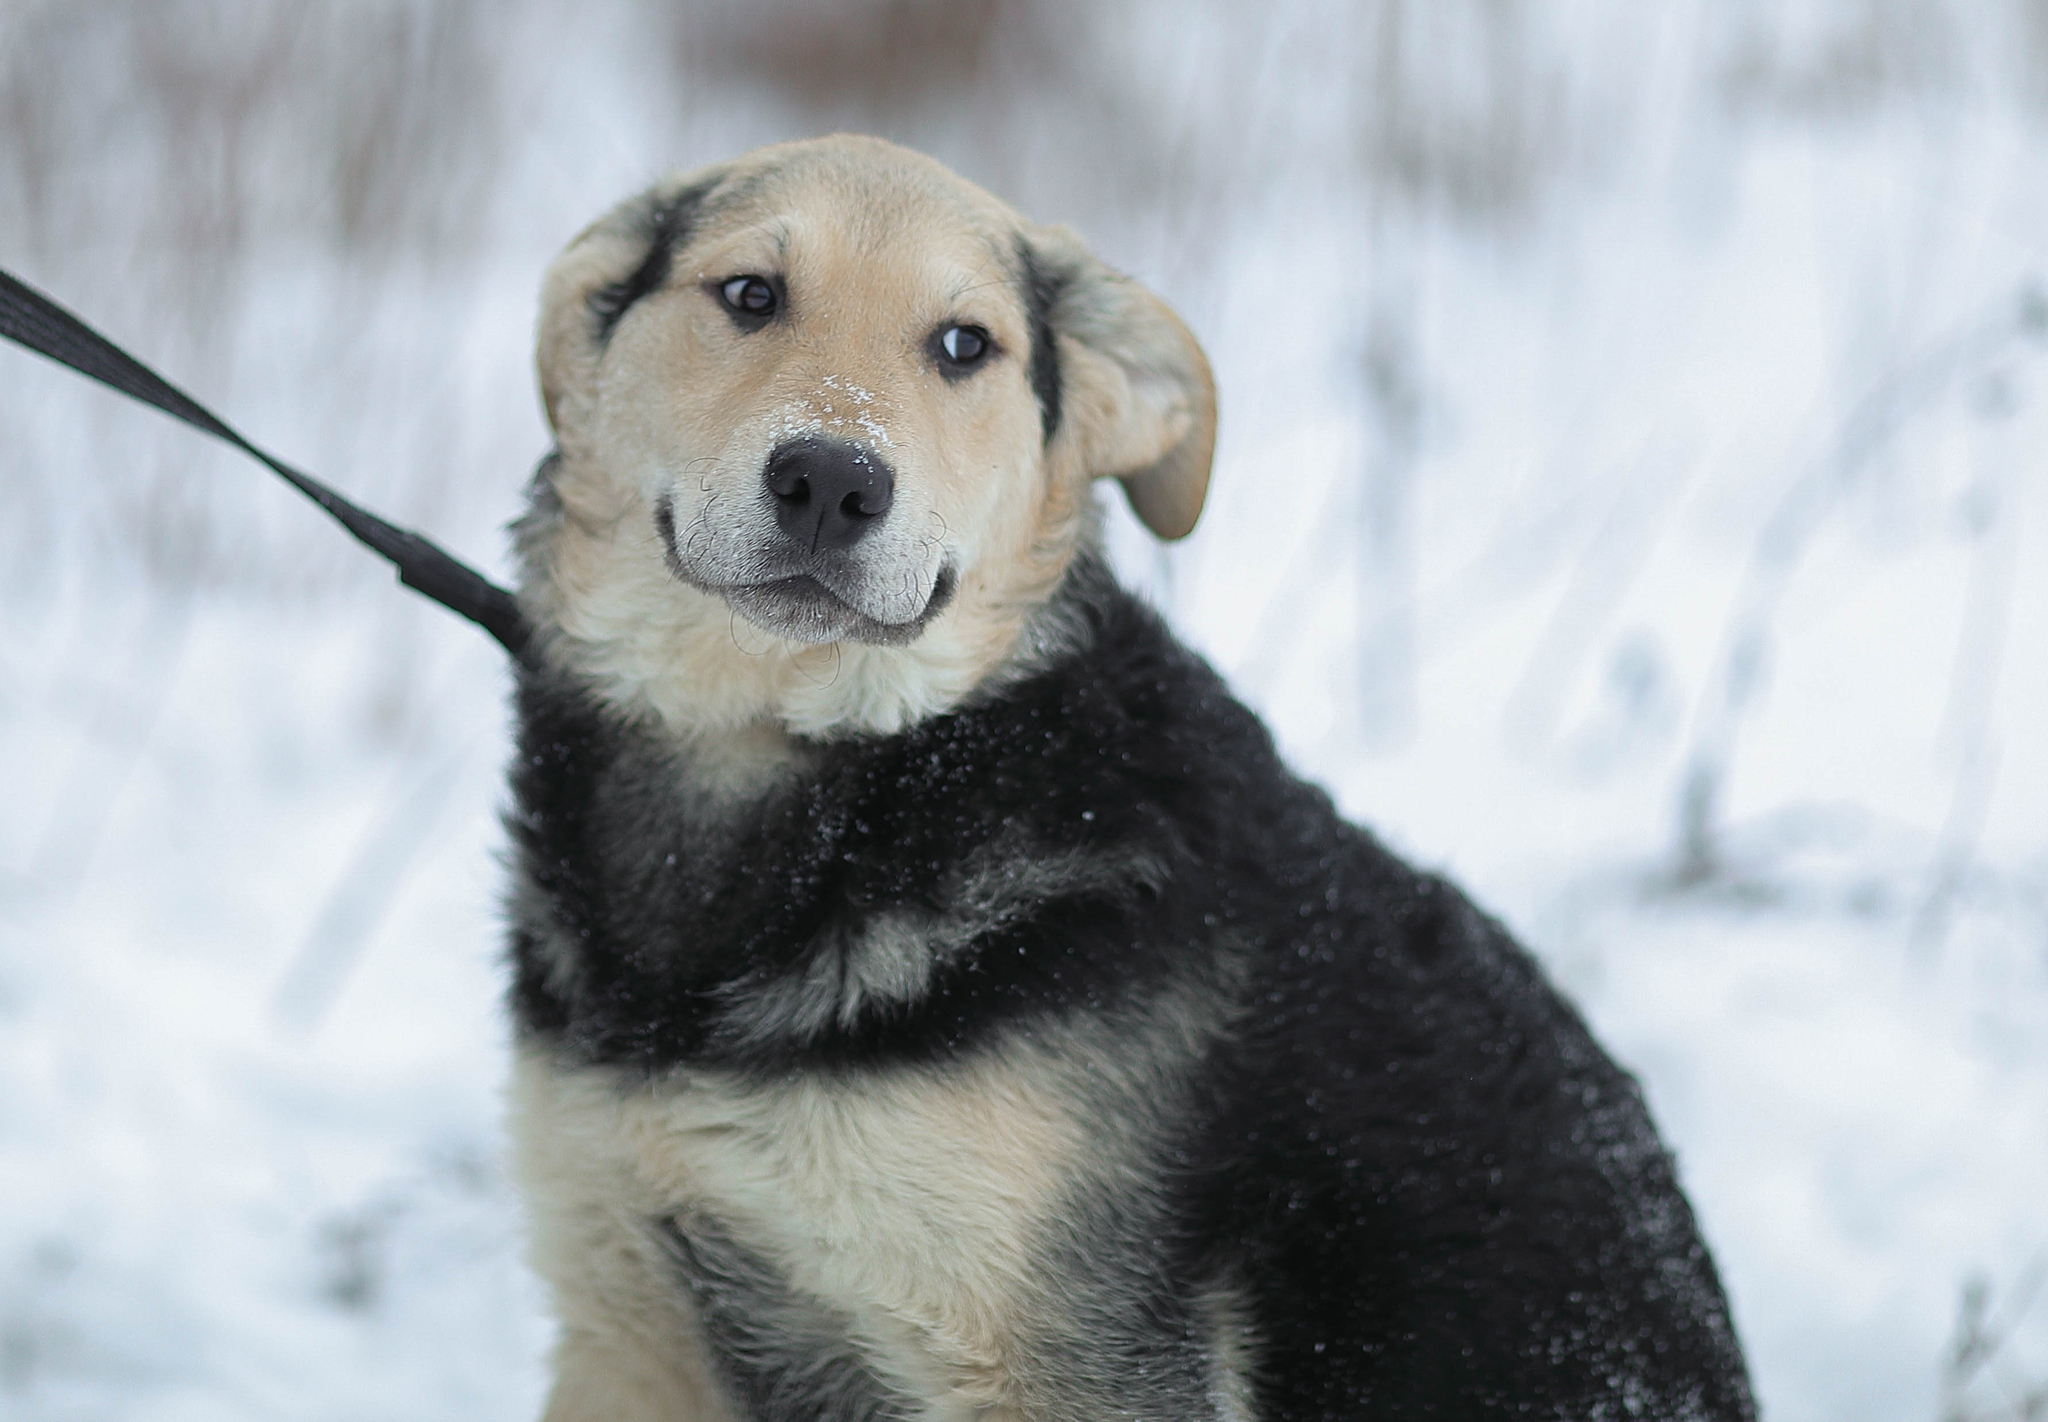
(31, 319)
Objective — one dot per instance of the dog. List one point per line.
(934, 999)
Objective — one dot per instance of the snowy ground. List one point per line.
(1658, 549)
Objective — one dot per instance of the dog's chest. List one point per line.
(905, 1208)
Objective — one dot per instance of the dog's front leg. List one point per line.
(631, 1347)
(606, 1370)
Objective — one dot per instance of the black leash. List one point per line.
(29, 318)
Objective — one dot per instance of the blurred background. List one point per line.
(1631, 499)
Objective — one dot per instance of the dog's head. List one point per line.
(827, 416)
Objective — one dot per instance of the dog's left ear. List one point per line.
(615, 262)
(1124, 379)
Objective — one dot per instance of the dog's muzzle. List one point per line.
(804, 571)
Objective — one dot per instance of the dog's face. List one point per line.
(840, 395)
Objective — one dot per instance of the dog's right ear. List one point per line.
(618, 259)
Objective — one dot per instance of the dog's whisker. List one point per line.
(732, 630)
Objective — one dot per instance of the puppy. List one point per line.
(934, 998)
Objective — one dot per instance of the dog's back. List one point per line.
(982, 1020)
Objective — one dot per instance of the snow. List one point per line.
(1704, 449)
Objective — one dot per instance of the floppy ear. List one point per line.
(618, 259)
(1131, 383)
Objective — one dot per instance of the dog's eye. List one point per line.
(964, 346)
(749, 296)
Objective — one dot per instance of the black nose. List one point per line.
(828, 492)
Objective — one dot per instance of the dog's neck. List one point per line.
(743, 701)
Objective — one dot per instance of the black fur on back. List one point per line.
(1435, 1194)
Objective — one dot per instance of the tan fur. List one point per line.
(1144, 397)
(908, 1201)
(628, 1349)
